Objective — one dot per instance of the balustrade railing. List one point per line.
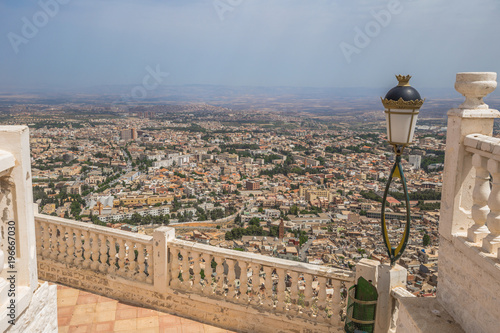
(281, 286)
(485, 211)
(97, 248)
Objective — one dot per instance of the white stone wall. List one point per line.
(468, 286)
(41, 314)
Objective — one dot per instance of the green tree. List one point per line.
(426, 240)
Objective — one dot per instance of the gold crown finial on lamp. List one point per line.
(403, 80)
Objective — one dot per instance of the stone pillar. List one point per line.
(368, 269)
(471, 117)
(161, 237)
(15, 140)
(16, 221)
(387, 279)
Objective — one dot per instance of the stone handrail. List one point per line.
(97, 248)
(485, 210)
(279, 286)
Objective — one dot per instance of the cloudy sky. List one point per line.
(304, 43)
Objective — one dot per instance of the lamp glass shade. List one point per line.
(401, 125)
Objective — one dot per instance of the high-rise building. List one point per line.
(128, 134)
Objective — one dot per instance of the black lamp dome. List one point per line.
(407, 93)
(403, 95)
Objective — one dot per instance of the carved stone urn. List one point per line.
(474, 86)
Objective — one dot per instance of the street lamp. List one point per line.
(402, 104)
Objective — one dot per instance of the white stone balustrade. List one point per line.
(279, 286)
(469, 224)
(97, 248)
(485, 211)
(223, 287)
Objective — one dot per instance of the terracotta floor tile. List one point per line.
(87, 328)
(169, 320)
(65, 310)
(141, 312)
(126, 314)
(68, 293)
(212, 329)
(125, 325)
(103, 316)
(148, 322)
(80, 319)
(174, 329)
(63, 320)
(66, 301)
(107, 326)
(105, 299)
(63, 329)
(106, 306)
(193, 328)
(83, 309)
(87, 299)
(149, 330)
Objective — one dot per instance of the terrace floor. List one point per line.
(81, 311)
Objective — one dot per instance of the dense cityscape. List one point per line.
(285, 184)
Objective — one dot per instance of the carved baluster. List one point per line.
(141, 262)
(196, 272)
(280, 292)
(207, 290)
(322, 298)
(70, 244)
(174, 268)
(268, 284)
(63, 244)
(308, 295)
(337, 307)
(150, 264)
(121, 270)
(186, 279)
(95, 251)
(78, 247)
(46, 240)
(243, 282)
(39, 240)
(132, 260)
(491, 242)
(480, 196)
(231, 279)
(219, 271)
(112, 254)
(54, 242)
(256, 284)
(103, 254)
(294, 292)
(86, 248)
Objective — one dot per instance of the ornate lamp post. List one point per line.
(402, 104)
